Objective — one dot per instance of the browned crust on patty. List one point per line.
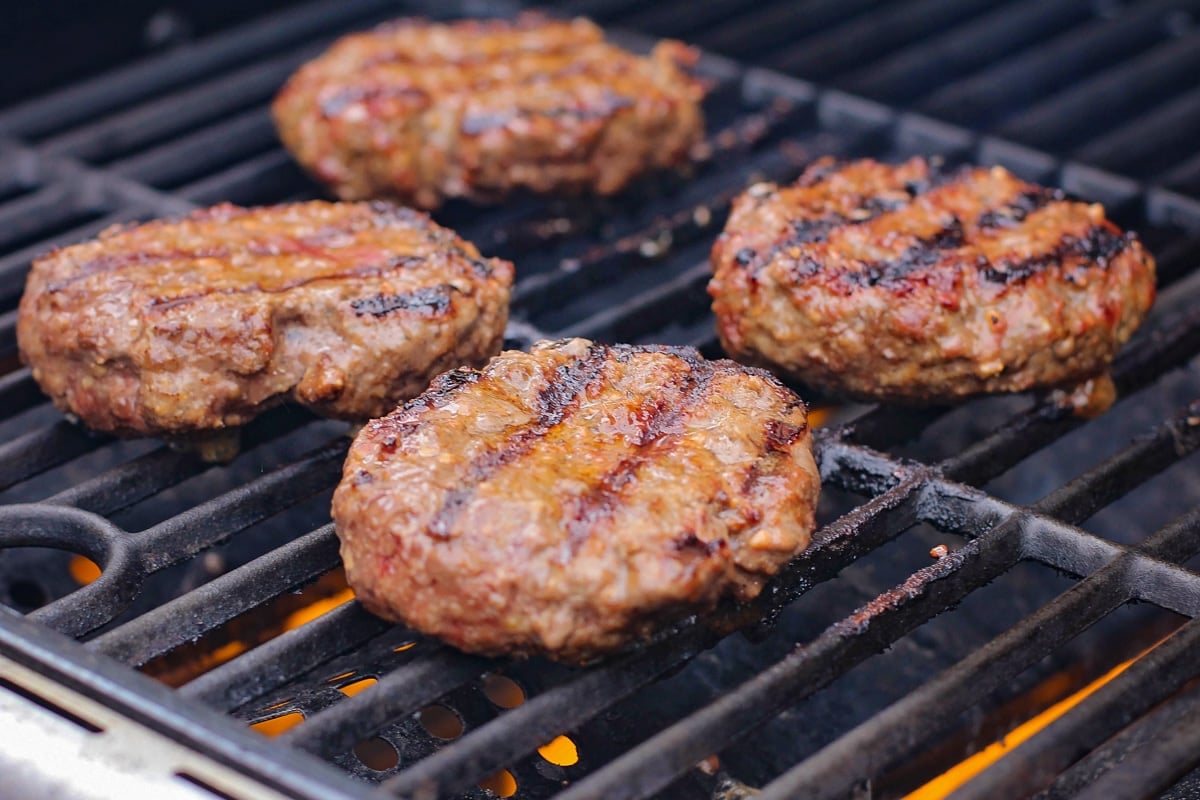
(423, 111)
(569, 500)
(911, 284)
(180, 327)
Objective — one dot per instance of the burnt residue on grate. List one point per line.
(225, 584)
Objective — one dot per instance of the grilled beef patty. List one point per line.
(179, 327)
(568, 500)
(422, 111)
(913, 285)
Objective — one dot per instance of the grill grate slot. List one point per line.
(1102, 88)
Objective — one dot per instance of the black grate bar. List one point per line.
(700, 209)
(1171, 747)
(886, 426)
(159, 708)
(149, 474)
(8, 332)
(1186, 175)
(192, 615)
(1086, 108)
(1166, 133)
(132, 481)
(48, 208)
(210, 523)
(15, 265)
(838, 49)
(433, 671)
(908, 725)
(648, 310)
(1118, 475)
(247, 183)
(909, 73)
(988, 96)
(597, 9)
(776, 23)
(148, 123)
(1144, 759)
(274, 663)
(1175, 260)
(665, 19)
(37, 451)
(562, 708)
(1148, 681)
(656, 762)
(201, 152)
(19, 392)
(122, 88)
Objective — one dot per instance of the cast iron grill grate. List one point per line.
(191, 552)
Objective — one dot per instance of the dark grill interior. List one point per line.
(1053, 574)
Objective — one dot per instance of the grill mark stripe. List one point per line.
(608, 104)
(108, 262)
(601, 500)
(405, 420)
(115, 262)
(361, 271)
(1098, 246)
(556, 403)
(778, 437)
(924, 253)
(1018, 209)
(817, 229)
(430, 301)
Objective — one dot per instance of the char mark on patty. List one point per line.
(428, 301)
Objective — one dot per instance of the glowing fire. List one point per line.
(946, 783)
(817, 417)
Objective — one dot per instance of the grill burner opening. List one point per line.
(208, 605)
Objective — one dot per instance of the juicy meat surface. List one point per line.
(424, 111)
(568, 500)
(916, 285)
(180, 327)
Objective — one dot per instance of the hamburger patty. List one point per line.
(568, 500)
(422, 111)
(179, 327)
(914, 285)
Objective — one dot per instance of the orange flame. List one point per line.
(948, 782)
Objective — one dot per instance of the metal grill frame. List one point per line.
(80, 198)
